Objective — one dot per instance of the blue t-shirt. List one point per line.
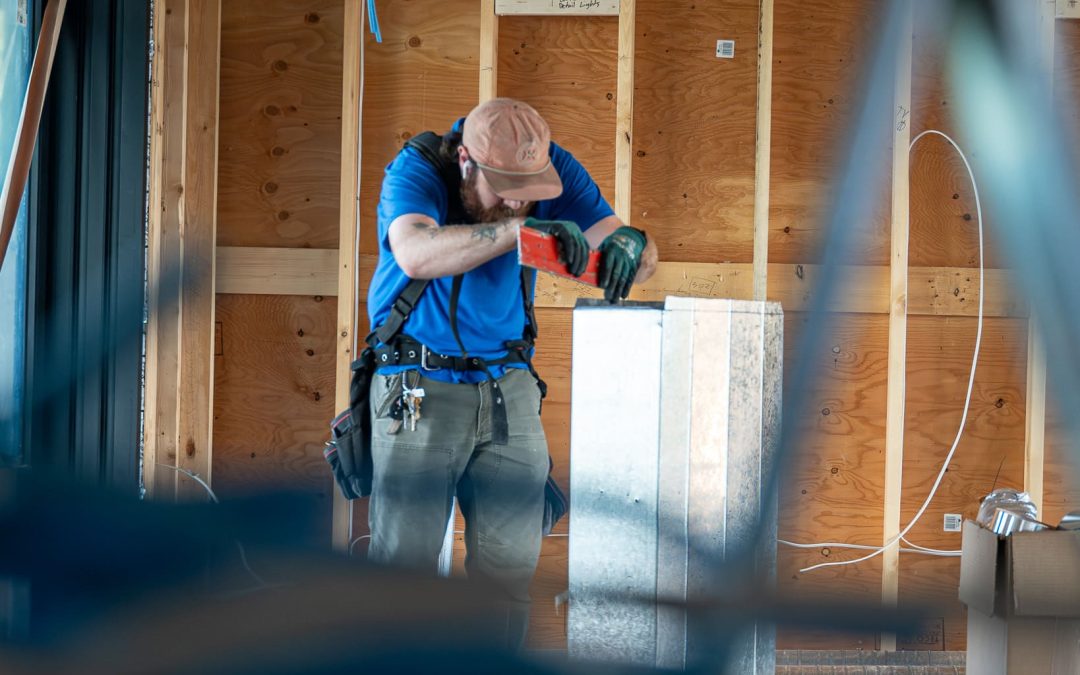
(491, 310)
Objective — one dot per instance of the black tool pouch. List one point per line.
(349, 450)
(554, 504)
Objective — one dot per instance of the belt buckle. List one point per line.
(424, 351)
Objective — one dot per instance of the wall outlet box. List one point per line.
(725, 49)
(954, 522)
(1068, 9)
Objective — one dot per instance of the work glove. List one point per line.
(620, 256)
(573, 249)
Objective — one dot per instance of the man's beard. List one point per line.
(470, 199)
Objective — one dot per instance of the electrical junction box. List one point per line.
(1068, 9)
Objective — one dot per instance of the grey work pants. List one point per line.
(500, 488)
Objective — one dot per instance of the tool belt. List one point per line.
(405, 351)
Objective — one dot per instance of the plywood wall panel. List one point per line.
(1061, 493)
(547, 626)
(819, 49)
(565, 68)
(423, 76)
(553, 364)
(832, 489)
(274, 397)
(280, 129)
(1067, 75)
(694, 129)
(944, 222)
(990, 452)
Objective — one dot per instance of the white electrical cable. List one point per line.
(206, 486)
(931, 551)
(878, 550)
(864, 547)
(356, 541)
(356, 205)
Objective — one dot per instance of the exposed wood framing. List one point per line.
(489, 51)
(933, 291)
(163, 247)
(1035, 417)
(763, 151)
(198, 235)
(18, 168)
(624, 111)
(351, 116)
(558, 7)
(865, 291)
(898, 310)
(277, 271)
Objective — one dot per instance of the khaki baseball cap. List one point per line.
(510, 143)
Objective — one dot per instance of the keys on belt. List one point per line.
(411, 398)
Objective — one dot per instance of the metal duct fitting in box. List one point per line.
(676, 411)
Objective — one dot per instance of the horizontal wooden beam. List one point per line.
(277, 271)
(932, 291)
(558, 7)
(942, 291)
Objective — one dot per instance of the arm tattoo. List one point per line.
(490, 231)
(485, 232)
(432, 230)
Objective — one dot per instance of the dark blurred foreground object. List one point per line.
(123, 586)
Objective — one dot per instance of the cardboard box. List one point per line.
(1023, 599)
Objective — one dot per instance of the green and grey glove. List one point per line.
(573, 248)
(620, 256)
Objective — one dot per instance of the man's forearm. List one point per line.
(425, 250)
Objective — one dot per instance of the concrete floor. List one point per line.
(855, 662)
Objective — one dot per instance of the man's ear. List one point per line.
(463, 161)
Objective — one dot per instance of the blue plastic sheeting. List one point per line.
(14, 72)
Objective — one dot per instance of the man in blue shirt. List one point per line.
(455, 402)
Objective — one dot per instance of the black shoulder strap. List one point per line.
(403, 305)
(429, 145)
(528, 280)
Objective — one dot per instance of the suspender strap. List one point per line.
(404, 304)
(500, 424)
(528, 280)
(429, 145)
